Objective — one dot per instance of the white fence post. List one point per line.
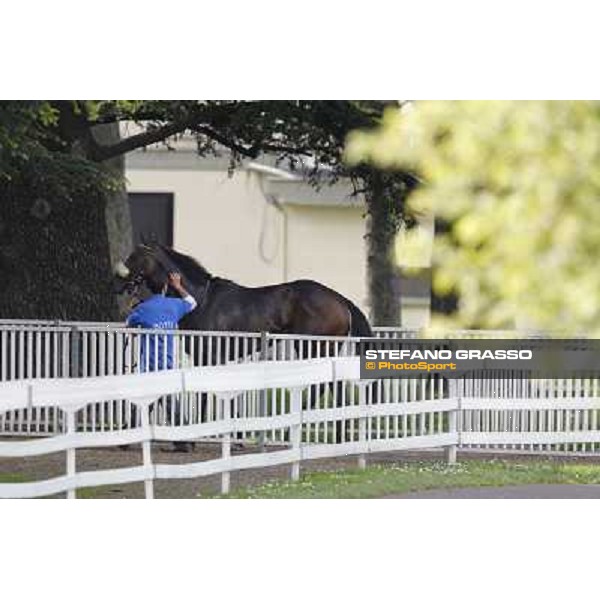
(262, 394)
(225, 399)
(144, 407)
(296, 430)
(362, 423)
(71, 457)
(450, 451)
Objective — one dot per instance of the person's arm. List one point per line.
(175, 283)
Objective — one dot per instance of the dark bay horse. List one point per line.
(303, 306)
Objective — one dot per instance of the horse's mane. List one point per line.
(188, 265)
(191, 268)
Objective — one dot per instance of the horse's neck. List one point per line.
(193, 272)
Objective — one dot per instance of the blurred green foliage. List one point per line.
(34, 154)
(40, 136)
(519, 184)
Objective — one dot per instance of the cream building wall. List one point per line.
(219, 221)
(327, 244)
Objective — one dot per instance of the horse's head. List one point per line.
(142, 273)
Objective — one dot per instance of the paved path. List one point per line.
(549, 491)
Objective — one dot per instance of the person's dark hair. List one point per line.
(155, 284)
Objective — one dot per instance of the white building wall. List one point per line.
(327, 244)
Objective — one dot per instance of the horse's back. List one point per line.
(357, 325)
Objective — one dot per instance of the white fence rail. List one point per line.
(46, 350)
(298, 418)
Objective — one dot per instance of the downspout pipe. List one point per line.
(274, 201)
(264, 171)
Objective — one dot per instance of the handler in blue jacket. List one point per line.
(160, 312)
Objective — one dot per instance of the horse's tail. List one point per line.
(359, 325)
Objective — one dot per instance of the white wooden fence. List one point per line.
(298, 417)
(48, 350)
(431, 420)
(42, 349)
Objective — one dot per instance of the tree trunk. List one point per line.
(54, 256)
(58, 246)
(448, 303)
(382, 270)
(118, 216)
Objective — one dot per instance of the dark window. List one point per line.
(152, 217)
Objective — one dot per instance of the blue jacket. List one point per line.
(159, 312)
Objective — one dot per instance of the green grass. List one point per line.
(378, 481)
(12, 478)
(396, 478)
